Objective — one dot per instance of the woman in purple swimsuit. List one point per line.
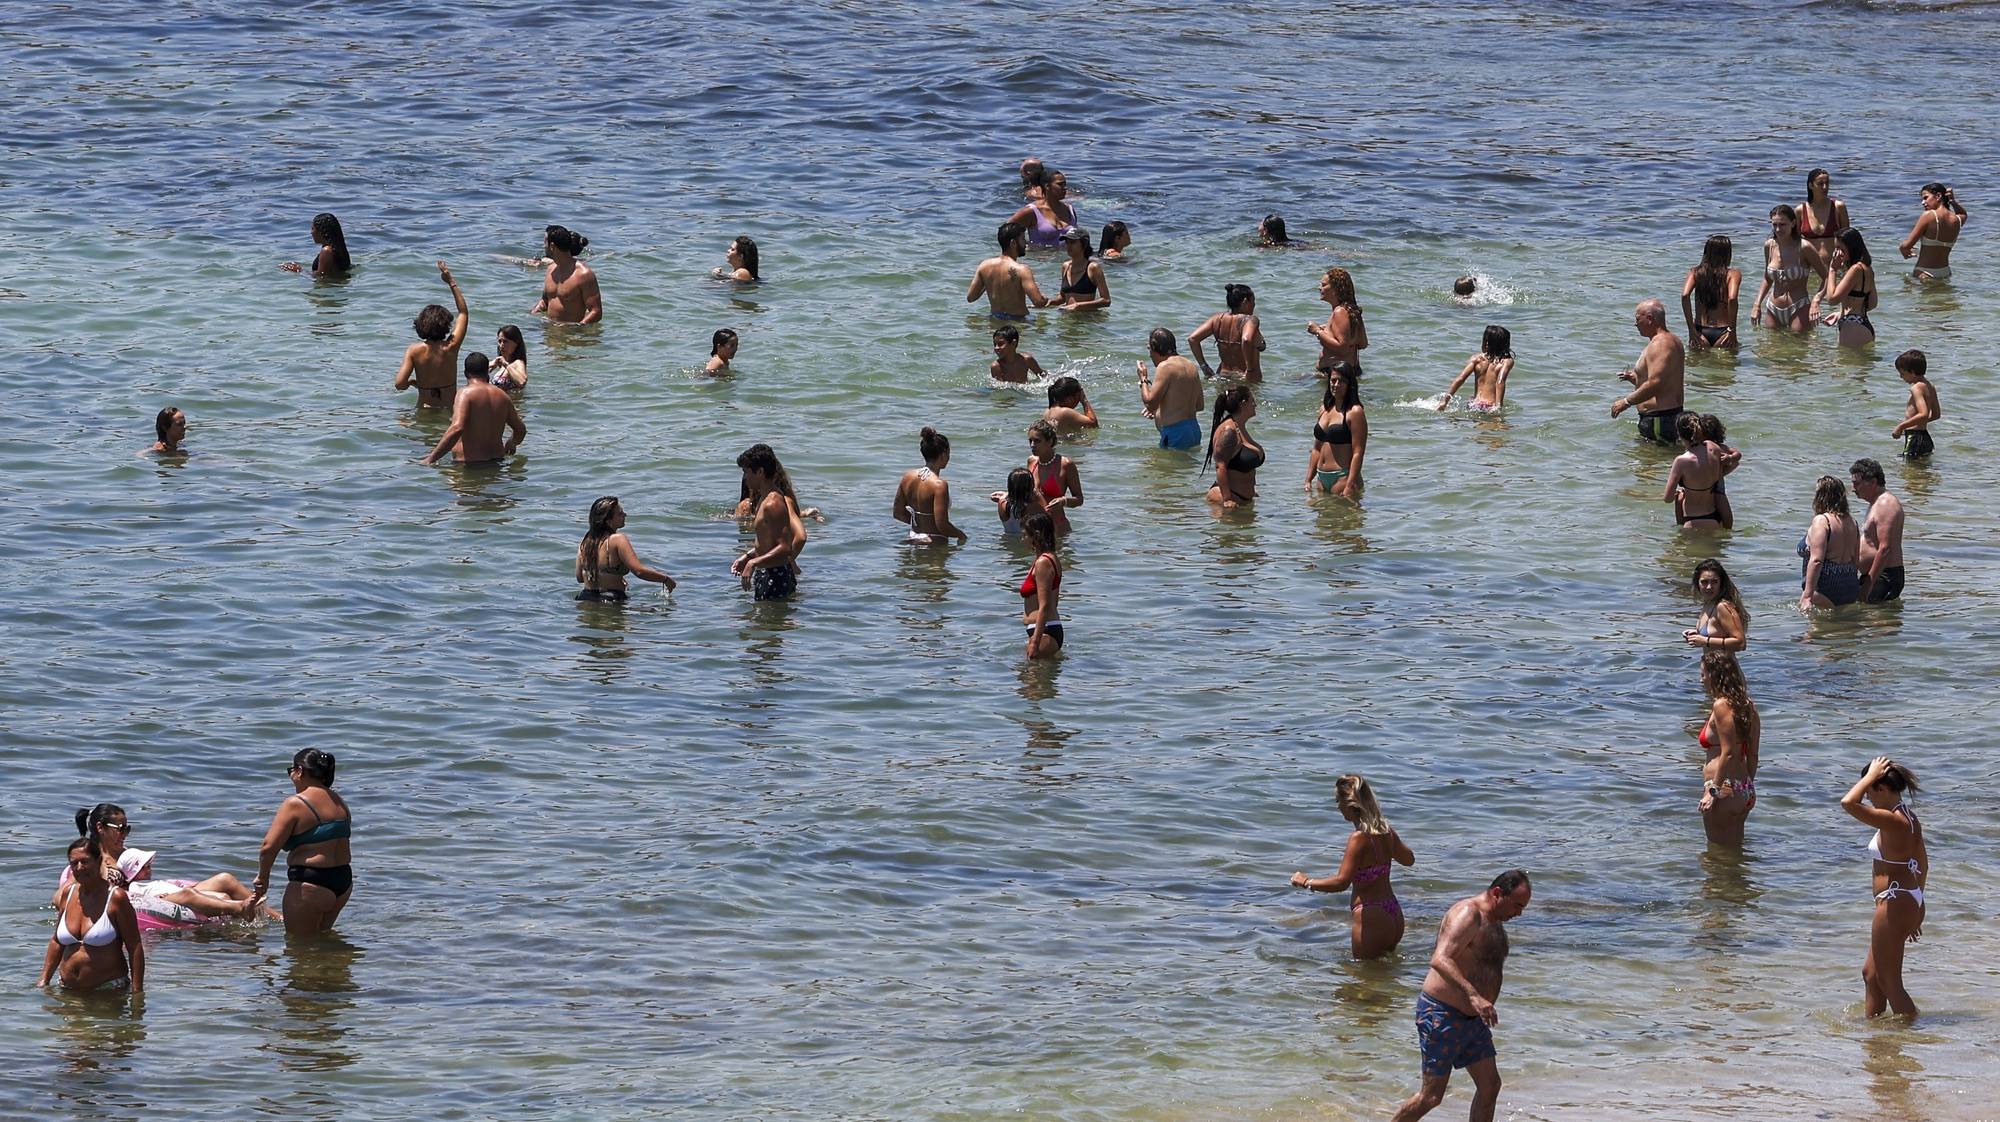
(1378, 918)
(1047, 217)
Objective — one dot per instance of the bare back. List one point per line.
(1180, 390)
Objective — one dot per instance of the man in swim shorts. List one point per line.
(1006, 282)
(1658, 378)
(1171, 393)
(1881, 534)
(477, 418)
(1455, 1011)
(767, 567)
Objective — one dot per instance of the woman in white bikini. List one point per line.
(1899, 864)
(1781, 297)
(1935, 233)
(91, 952)
(923, 498)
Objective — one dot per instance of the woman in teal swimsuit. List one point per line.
(1340, 436)
(312, 827)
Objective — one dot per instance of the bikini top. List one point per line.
(1785, 275)
(1028, 587)
(337, 829)
(1051, 485)
(1371, 873)
(1875, 843)
(100, 934)
(1336, 433)
(1248, 458)
(1082, 286)
(612, 569)
(924, 474)
(1811, 232)
(1047, 231)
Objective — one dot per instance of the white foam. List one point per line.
(1487, 293)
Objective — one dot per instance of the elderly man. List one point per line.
(1658, 378)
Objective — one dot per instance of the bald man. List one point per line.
(1659, 378)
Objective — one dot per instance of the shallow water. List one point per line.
(850, 858)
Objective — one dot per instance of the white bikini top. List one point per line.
(1933, 243)
(1875, 844)
(100, 934)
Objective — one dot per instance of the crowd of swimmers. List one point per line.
(1843, 561)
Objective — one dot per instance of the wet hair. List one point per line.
(760, 459)
(1688, 427)
(1944, 194)
(89, 818)
(1343, 296)
(1898, 778)
(1813, 177)
(1725, 588)
(1040, 530)
(1272, 230)
(315, 765)
(1789, 215)
(1712, 428)
(1913, 361)
(1112, 232)
(1870, 470)
(1351, 377)
(1497, 342)
(512, 334)
(1010, 333)
(1064, 388)
(1020, 491)
(433, 324)
(1226, 404)
(1464, 286)
(1161, 341)
(1009, 233)
(567, 240)
(932, 444)
(478, 367)
(722, 335)
(601, 513)
(163, 421)
(1236, 295)
(1357, 804)
(1723, 676)
(1510, 880)
(1830, 497)
(326, 231)
(1857, 250)
(747, 249)
(1711, 277)
(1042, 430)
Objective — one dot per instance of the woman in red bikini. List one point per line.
(1055, 474)
(1730, 738)
(1378, 918)
(1821, 217)
(1042, 589)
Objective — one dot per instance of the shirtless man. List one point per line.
(1881, 534)
(768, 568)
(1007, 284)
(481, 411)
(1658, 378)
(1455, 1012)
(432, 361)
(569, 290)
(1239, 338)
(1172, 394)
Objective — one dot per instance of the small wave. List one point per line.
(1430, 403)
(1486, 293)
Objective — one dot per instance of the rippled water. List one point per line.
(850, 858)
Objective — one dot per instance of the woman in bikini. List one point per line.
(1781, 296)
(1691, 482)
(1830, 550)
(1899, 864)
(1377, 917)
(1724, 624)
(96, 941)
(1340, 436)
(1935, 233)
(1821, 217)
(923, 498)
(1343, 336)
(311, 827)
(1055, 475)
(1239, 338)
(1083, 283)
(1042, 589)
(509, 368)
(1018, 501)
(1710, 296)
(1730, 738)
(1855, 292)
(1488, 370)
(1236, 456)
(332, 262)
(1047, 217)
(605, 557)
(131, 869)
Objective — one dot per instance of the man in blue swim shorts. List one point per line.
(1455, 1012)
(1171, 393)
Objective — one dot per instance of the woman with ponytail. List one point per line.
(605, 556)
(312, 827)
(1236, 456)
(1364, 867)
(1935, 233)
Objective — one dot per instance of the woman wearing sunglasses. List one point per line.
(312, 827)
(161, 903)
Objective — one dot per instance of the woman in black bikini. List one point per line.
(1691, 482)
(312, 827)
(1236, 456)
(1710, 295)
(1083, 283)
(1855, 290)
(605, 556)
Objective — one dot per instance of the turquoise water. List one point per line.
(850, 857)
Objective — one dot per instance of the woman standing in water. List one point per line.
(1340, 436)
(1488, 370)
(1710, 295)
(1018, 501)
(1047, 217)
(1821, 217)
(1041, 590)
(1730, 738)
(1899, 864)
(1083, 283)
(1830, 550)
(1236, 456)
(1855, 291)
(1364, 866)
(1691, 482)
(923, 498)
(312, 827)
(1055, 474)
(605, 556)
(332, 260)
(1781, 298)
(1239, 338)
(1343, 337)
(1724, 624)
(1935, 233)
(509, 368)
(91, 952)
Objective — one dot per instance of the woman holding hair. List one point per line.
(1730, 738)
(1899, 864)
(1855, 291)
(1821, 217)
(1041, 590)
(312, 827)
(509, 367)
(1018, 501)
(721, 348)
(1488, 370)
(1083, 283)
(1045, 218)
(1830, 550)
(1236, 456)
(1114, 241)
(332, 260)
(1781, 297)
(1935, 233)
(742, 261)
(1344, 336)
(1069, 409)
(923, 498)
(605, 556)
(1239, 337)
(1364, 867)
(1340, 436)
(90, 952)
(1724, 623)
(1710, 295)
(1692, 480)
(1055, 474)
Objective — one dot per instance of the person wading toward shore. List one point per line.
(1658, 378)
(1455, 1012)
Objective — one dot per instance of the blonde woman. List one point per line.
(1343, 336)
(1364, 867)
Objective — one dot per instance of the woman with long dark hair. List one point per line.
(92, 952)
(1236, 456)
(1238, 335)
(1055, 475)
(1018, 501)
(1821, 217)
(1899, 864)
(1041, 590)
(170, 425)
(1855, 292)
(1340, 436)
(1377, 917)
(1115, 239)
(1724, 623)
(1344, 336)
(605, 556)
(1692, 480)
(1047, 216)
(742, 261)
(1936, 231)
(1083, 285)
(1488, 370)
(1729, 738)
(312, 827)
(332, 260)
(509, 367)
(1710, 295)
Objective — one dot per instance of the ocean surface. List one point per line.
(850, 857)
